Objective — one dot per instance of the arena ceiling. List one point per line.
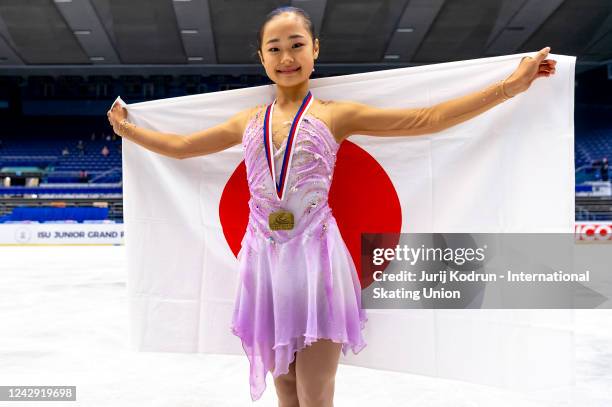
(112, 36)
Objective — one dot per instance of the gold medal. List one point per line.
(280, 220)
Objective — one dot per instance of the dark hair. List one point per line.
(286, 9)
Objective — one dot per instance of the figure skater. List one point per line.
(298, 300)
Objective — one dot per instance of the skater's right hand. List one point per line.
(115, 115)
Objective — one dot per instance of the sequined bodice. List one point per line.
(308, 182)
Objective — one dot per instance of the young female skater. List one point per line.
(298, 301)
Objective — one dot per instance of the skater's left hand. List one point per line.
(529, 70)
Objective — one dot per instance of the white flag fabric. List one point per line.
(510, 169)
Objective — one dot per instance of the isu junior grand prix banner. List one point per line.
(70, 233)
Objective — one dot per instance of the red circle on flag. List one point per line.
(361, 196)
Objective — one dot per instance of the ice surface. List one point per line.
(63, 321)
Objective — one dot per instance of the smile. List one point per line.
(289, 72)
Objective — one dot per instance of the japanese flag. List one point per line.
(509, 169)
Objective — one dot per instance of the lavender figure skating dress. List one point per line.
(297, 285)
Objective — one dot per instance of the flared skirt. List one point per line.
(293, 293)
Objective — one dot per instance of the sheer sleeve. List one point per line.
(357, 118)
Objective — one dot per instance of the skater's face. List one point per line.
(287, 51)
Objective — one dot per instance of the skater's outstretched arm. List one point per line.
(211, 140)
(357, 118)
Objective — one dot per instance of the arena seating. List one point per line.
(593, 145)
(46, 154)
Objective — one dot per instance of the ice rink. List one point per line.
(63, 314)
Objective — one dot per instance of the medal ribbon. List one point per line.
(269, 147)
